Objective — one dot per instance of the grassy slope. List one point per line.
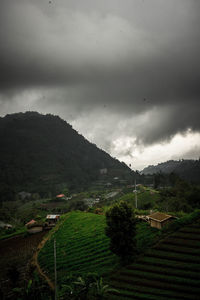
(168, 271)
(81, 247)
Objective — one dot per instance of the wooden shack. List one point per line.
(159, 220)
(52, 219)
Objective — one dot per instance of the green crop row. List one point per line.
(189, 229)
(174, 256)
(165, 270)
(182, 242)
(82, 258)
(74, 256)
(161, 277)
(178, 249)
(75, 261)
(125, 294)
(158, 284)
(81, 244)
(148, 290)
(170, 263)
(82, 250)
(184, 235)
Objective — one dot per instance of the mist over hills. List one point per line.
(187, 169)
(43, 153)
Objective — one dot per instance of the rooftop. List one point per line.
(52, 216)
(160, 217)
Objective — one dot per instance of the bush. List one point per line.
(188, 219)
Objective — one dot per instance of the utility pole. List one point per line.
(135, 191)
(55, 269)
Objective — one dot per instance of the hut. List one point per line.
(34, 227)
(159, 220)
(52, 219)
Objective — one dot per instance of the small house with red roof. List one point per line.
(34, 227)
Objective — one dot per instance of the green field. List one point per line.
(170, 270)
(82, 247)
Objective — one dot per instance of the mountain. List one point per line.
(43, 153)
(187, 169)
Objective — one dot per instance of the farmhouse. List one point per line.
(34, 227)
(158, 220)
(52, 219)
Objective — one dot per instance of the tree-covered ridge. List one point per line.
(42, 153)
(188, 169)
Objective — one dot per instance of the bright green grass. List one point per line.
(82, 246)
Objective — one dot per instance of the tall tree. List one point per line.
(121, 229)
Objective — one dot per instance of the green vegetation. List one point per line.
(187, 169)
(146, 198)
(121, 229)
(170, 270)
(43, 154)
(82, 247)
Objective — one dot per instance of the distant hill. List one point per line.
(43, 153)
(186, 168)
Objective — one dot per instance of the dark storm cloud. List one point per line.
(129, 60)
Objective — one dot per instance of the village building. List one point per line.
(51, 220)
(5, 226)
(159, 220)
(34, 227)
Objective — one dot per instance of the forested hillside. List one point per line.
(43, 153)
(187, 169)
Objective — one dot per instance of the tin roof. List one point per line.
(52, 216)
(159, 217)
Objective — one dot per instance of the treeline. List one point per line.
(187, 169)
(181, 196)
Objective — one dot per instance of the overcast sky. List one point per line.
(124, 73)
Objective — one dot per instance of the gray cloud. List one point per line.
(131, 69)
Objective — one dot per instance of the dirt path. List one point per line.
(40, 246)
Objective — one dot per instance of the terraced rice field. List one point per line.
(170, 270)
(82, 247)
